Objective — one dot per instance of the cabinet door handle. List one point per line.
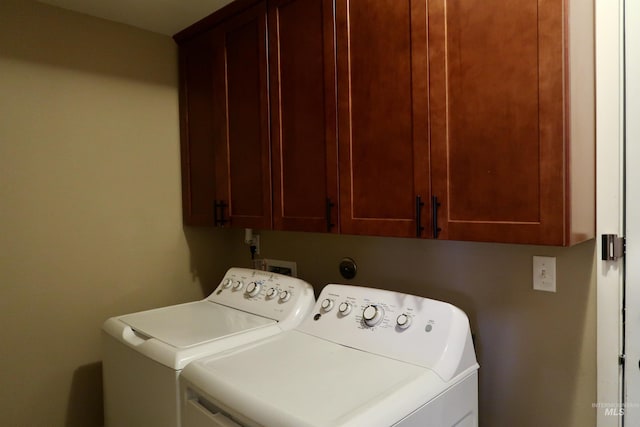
(419, 227)
(435, 204)
(223, 221)
(329, 207)
(218, 217)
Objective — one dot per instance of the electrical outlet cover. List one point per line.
(288, 268)
(544, 273)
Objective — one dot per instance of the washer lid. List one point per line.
(191, 324)
(295, 379)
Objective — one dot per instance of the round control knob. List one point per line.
(253, 289)
(372, 315)
(327, 304)
(227, 283)
(238, 285)
(284, 296)
(272, 293)
(403, 321)
(344, 308)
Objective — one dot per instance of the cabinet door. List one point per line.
(303, 115)
(497, 117)
(242, 118)
(196, 128)
(382, 115)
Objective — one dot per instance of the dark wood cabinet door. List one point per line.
(497, 116)
(382, 116)
(303, 115)
(242, 118)
(196, 128)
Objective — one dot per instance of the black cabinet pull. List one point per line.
(218, 217)
(419, 227)
(329, 207)
(435, 204)
(223, 221)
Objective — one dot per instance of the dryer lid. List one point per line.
(294, 379)
(191, 324)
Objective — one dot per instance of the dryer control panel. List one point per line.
(271, 295)
(417, 330)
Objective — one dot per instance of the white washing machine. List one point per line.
(143, 353)
(363, 358)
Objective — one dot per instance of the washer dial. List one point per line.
(253, 289)
(327, 304)
(238, 285)
(372, 315)
(284, 296)
(272, 293)
(344, 308)
(403, 321)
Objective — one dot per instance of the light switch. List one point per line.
(544, 273)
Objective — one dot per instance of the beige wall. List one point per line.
(536, 350)
(90, 221)
(90, 227)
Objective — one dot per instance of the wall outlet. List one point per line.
(544, 273)
(252, 240)
(256, 243)
(288, 268)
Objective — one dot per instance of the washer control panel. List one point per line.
(400, 326)
(264, 293)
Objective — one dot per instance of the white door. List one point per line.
(632, 215)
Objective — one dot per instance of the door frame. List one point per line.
(631, 382)
(609, 201)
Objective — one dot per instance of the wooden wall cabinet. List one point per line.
(197, 151)
(460, 120)
(383, 116)
(512, 120)
(381, 151)
(303, 115)
(225, 123)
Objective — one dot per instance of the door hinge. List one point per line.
(621, 359)
(613, 247)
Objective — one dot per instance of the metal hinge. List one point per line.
(613, 247)
(621, 359)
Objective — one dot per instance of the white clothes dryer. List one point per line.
(364, 357)
(143, 353)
